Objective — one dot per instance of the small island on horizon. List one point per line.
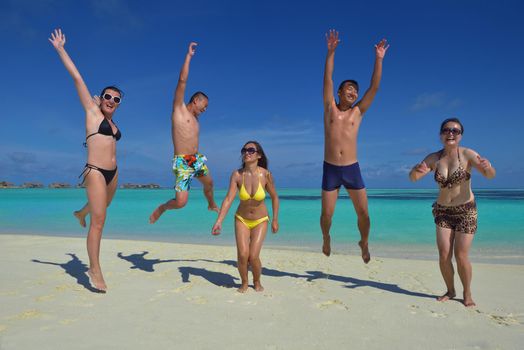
(60, 185)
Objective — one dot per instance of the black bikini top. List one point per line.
(105, 129)
(460, 175)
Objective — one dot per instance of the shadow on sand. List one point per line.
(225, 280)
(76, 269)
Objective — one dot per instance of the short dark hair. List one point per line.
(114, 88)
(454, 120)
(198, 94)
(351, 81)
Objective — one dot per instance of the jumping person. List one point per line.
(100, 172)
(187, 161)
(341, 124)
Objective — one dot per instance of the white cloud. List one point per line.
(427, 100)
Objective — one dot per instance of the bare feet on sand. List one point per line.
(81, 218)
(326, 246)
(449, 295)
(365, 251)
(258, 287)
(243, 288)
(468, 302)
(97, 281)
(156, 214)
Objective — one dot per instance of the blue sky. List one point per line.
(261, 63)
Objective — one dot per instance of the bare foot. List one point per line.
(448, 296)
(326, 246)
(258, 287)
(156, 214)
(97, 281)
(213, 207)
(468, 302)
(243, 288)
(365, 251)
(81, 218)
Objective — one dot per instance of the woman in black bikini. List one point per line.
(100, 173)
(455, 211)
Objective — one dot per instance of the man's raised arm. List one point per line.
(369, 96)
(182, 79)
(332, 42)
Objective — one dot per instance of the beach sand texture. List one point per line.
(175, 296)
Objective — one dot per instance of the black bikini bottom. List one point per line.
(108, 174)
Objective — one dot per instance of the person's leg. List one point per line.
(258, 234)
(242, 239)
(329, 200)
(97, 200)
(360, 203)
(462, 245)
(207, 182)
(111, 189)
(178, 202)
(445, 239)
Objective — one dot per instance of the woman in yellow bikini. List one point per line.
(251, 218)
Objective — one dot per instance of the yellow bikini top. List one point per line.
(258, 196)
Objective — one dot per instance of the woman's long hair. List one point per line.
(262, 161)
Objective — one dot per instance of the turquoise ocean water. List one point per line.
(402, 224)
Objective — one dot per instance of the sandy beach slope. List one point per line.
(174, 296)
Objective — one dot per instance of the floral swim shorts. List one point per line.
(185, 167)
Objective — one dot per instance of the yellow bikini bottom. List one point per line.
(250, 224)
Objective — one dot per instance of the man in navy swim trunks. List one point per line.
(341, 124)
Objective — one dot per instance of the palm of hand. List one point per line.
(332, 40)
(381, 48)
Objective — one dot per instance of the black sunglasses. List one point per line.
(452, 131)
(115, 98)
(249, 150)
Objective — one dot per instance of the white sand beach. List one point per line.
(175, 296)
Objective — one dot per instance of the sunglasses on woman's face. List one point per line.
(115, 98)
(249, 150)
(452, 131)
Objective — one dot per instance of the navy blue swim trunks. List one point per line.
(347, 175)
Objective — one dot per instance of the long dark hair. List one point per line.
(262, 161)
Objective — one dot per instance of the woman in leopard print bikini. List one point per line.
(455, 211)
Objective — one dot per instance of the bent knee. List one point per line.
(181, 201)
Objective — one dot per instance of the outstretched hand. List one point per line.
(381, 48)
(422, 168)
(58, 39)
(332, 39)
(484, 163)
(192, 48)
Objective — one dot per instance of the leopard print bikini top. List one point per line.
(460, 175)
